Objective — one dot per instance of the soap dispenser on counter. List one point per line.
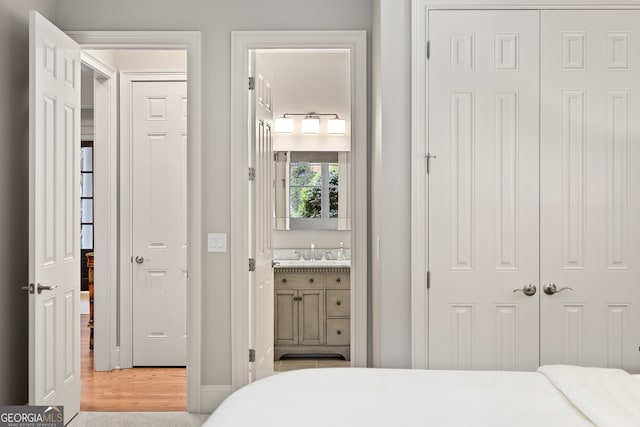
(341, 251)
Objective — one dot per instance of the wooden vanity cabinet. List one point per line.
(312, 311)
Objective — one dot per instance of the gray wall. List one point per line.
(390, 153)
(391, 184)
(14, 189)
(215, 20)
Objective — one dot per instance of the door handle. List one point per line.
(141, 259)
(528, 290)
(550, 288)
(32, 288)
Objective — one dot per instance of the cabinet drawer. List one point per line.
(338, 303)
(338, 280)
(299, 280)
(338, 331)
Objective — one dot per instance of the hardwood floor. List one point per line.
(129, 390)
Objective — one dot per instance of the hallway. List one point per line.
(129, 390)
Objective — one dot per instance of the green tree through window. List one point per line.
(313, 190)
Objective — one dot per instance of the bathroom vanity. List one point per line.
(312, 311)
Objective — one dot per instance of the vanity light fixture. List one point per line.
(284, 125)
(336, 126)
(311, 123)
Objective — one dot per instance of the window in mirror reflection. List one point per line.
(313, 189)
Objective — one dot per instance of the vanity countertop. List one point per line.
(329, 263)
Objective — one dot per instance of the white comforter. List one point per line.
(608, 397)
(387, 397)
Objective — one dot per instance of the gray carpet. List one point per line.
(137, 419)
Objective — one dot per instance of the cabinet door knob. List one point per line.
(339, 332)
(338, 302)
(338, 280)
(311, 280)
(284, 280)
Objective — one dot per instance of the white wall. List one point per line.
(215, 20)
(142, 59)
(14, 191)
(306, 82)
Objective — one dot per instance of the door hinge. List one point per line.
(428, 49)
(252, 355)
(252, 174)
(252, 83)
(430, 156)
(428, 279)
(252, 264)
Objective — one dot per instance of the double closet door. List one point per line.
(534, 189)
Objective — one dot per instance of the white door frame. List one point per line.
(127, 78)
(419, 146)
(241, 43)
(105, 191)
(191, 42)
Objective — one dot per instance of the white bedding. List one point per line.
(608, 397)
(387, 397)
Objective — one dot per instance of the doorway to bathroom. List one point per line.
(304, 210)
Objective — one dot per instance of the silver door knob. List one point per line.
(41, 288)
(550, 288)
(140, 259)
(32, 288)
(528, 290)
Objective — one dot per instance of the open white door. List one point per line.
(261, 217)
(54, 223)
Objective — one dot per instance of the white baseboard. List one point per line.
(211, 396)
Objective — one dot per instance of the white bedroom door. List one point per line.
(590, 187)
(483, 189)
(54, 219)
(262, 217)
(159, 222)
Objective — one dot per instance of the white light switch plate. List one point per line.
(217, 242)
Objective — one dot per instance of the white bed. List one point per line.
(554, 396)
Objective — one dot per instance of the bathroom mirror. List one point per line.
(312, 190)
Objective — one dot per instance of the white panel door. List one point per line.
(262, 216)
(483, 189)
(159, 224)
(54, 217)
(590, 186)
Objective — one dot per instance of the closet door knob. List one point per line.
(528, 290)
(550, 289)
(338, 302)
(339, 332)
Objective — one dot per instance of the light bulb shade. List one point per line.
(284, 125)
(311, 126)
(336, 126)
